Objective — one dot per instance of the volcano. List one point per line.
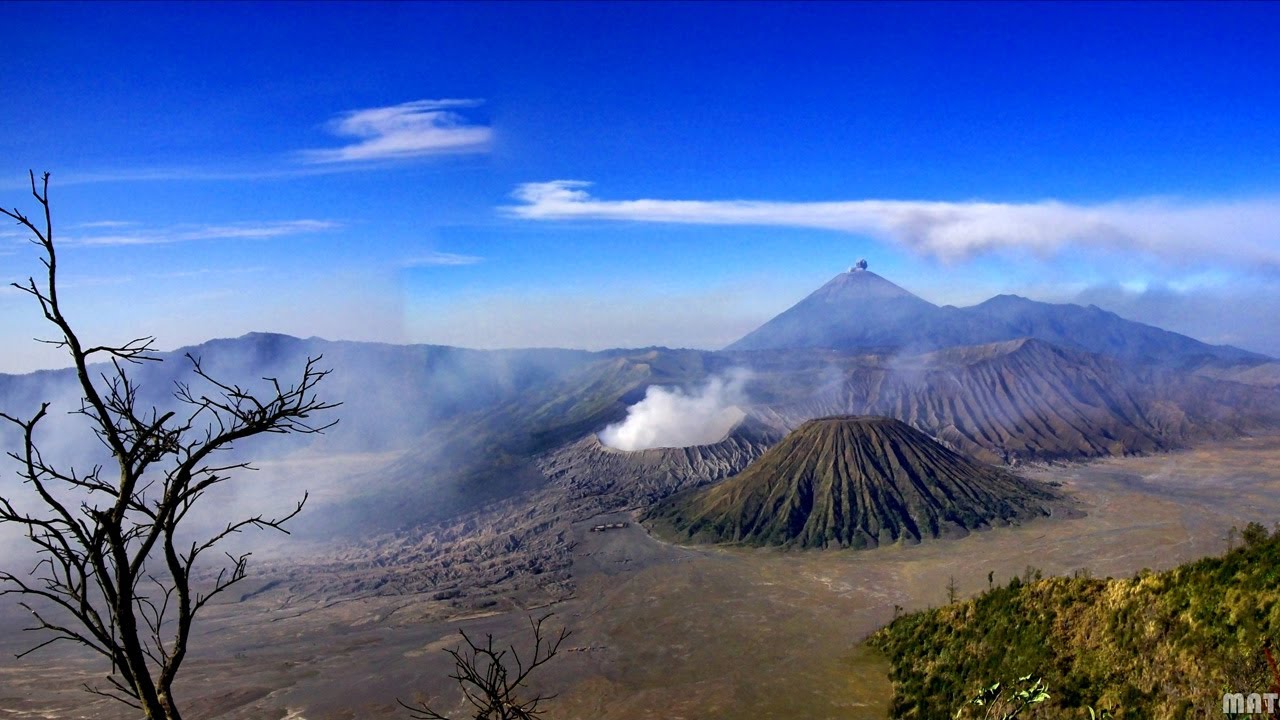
(854, 482)
(861, 310)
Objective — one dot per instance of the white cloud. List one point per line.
(181, 174)
(412, 129)
(100, 224)
(1240, 231)
(188, 233)
(434, 259)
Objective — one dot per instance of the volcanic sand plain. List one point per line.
(664, 631)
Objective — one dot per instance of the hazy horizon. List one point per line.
(1148, 308)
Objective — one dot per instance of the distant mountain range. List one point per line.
(1031, 400)
(862, 312)
(1007, 381)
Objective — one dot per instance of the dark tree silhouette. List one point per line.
(115, 571)
(492, 683)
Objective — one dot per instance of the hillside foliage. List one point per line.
(1159, 645)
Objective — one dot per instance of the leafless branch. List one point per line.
(488, 681)
(109, 564)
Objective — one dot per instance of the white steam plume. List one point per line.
(676, 418)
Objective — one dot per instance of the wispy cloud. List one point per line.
(434, 259)
(204, 271)
(93, 281)
(90, 281)
(188, 233)
(412, 129)
(103, 224)
(1242, 231)
(182, 174)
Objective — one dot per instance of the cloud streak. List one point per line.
(230, 231)
(188, 174)
(420, 128)
(103, 224)
(1241, 231)
(441, 259)
(413, 129)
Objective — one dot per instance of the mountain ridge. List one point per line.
(1098, 330)
(861, 311)
(469, 423)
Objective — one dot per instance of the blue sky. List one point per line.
(417, 172)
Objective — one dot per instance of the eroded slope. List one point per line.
(854, 482)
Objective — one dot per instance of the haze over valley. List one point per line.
(461, 482)
(640, 361)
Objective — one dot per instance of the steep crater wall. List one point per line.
(597, 478)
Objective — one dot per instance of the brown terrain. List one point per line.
(663, 631)
(521, 547)
(468, 492)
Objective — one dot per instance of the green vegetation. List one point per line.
(1005, 702)
(1159, 645)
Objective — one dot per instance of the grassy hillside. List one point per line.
(1159, 645)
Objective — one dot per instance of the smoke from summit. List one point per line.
(676, 418)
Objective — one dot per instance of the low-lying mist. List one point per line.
(413, 427)
(672, 417)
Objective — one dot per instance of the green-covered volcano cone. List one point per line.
(854, 482)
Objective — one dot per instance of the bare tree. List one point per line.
(490, 685)
(115, 571)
